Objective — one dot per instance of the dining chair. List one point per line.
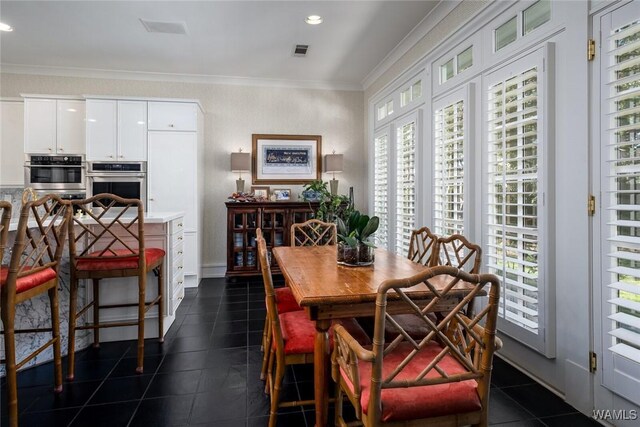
(309, 233)
(442, 379)
(32, 270)
(292, 338)
(313, 233)
(106, 241)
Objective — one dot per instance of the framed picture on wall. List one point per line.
(286, 159)
(282, 194)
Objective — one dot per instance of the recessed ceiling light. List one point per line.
(5, 27)
(313, 19)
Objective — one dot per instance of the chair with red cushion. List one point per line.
(309, 233)
(32, 271)
(442, 379)
(293, 336)
(107, 241)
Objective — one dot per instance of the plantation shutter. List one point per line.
(405, 185)
(381, 188)
(448, 169)
(514, 201)
(620, 177)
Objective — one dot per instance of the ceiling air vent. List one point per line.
(164, 27)
(301, 50)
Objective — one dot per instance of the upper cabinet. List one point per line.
(54, 126)
(116, 130)
(173, 116)
(11, 142)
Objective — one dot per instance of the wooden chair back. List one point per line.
(270, 294)
(456, 251)
(313, 233)
(112, 226)
(470, 341)
(422, 246)
(40, 238)
(5, 219)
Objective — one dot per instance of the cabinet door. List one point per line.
(172, 174)
(132, 130)
(40, 126)
(12, 143)
(175, 116)
(101, 129)
(70, 129)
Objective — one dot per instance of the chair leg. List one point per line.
(266, 339)
(275, 394)
(8, 318)
(160, 302)
(96, 313)
(264, 333)
(142, 283)
(71, 347)
(55, 332)
(268, 387)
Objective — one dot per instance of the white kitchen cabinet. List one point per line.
(171, 174)
(12, 143)
(54, 126)
(173, 116)
(116, 130)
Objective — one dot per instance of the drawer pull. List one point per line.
(180, 268)
(180, 238)
(179, 252)
(180, 283)
(179, 224)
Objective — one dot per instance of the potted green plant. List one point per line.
(354, 245)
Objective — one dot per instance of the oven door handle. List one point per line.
(108, 176)
(54, 166)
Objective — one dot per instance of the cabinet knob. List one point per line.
(180, 283)
(49, 149)
(180, 238)
(170, 125)
(111, 157)
(122, 157)
(180, 268)
(151, 199)
(60, 149)
(179, 224)
(179, 252)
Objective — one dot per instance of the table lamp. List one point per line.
(333, 163)
(240, 162)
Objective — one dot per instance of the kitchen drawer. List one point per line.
(176, 226)
(173, 116)
(177, 266)
(177, 250)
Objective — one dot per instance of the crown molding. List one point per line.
(437, 14)
(170, 77)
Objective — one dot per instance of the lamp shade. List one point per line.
(240, 162)
(333, 163)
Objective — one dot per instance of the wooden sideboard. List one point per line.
(274, 218)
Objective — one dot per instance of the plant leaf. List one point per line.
(370, 228)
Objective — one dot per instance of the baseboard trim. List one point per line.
(211, 271)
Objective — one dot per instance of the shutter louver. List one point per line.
(381, 189)
(621, 180)
(514, 199)
(405, 186)
(448, 206)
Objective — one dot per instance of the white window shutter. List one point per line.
(381, 188)
(405, 206)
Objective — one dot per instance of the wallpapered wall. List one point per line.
(232, 114)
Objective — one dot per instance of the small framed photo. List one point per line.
(260, 191)
(282, 194)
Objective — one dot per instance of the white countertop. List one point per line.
(149, 218)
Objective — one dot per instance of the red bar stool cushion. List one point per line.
(286, 301)
(28, 282)
(108, 261)
(419, 402)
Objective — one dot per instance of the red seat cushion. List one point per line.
(419, 402)
(286, 301)
(298, 332)
(108, 261)
(30, 281)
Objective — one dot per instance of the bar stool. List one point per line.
(33, 270)
(110, 243)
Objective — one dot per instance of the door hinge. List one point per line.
(593, 361)
(591, 49)
(591, 205)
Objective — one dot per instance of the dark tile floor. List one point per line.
(207, 374)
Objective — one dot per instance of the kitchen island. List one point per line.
(162, 230)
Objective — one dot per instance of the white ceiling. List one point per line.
(240, 39)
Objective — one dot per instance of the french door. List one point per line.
(616, 151)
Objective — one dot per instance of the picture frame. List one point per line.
(282, 194)
(260, 191)
(285, 159)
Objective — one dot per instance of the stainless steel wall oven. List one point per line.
(127, 180)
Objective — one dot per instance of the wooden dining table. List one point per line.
(330, 291)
